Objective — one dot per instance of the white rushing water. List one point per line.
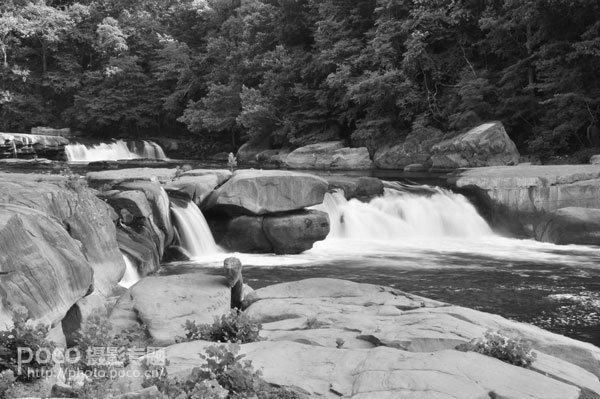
(118, 150)
(195, 234)
(131, 275)
(422, 227)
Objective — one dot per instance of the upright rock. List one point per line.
(485, 145)
(296, 233)
(570, 226)
(41, 267)
(84, 216)
(415, 149)
(260, 192)
(329, 155)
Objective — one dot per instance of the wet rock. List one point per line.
(42, 268)
(296, 233)
(243, 234)
(329, 155)
(164, 303)
(175, 253)
(141, 245)
(570, 226)
(260, 192)
(356, 187)
(194, 188)
(485, 145)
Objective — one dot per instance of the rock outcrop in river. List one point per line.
(335, 338)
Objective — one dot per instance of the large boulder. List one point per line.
(30, 144)
(84, 216)
(289, 233)
(164, 303)
(570, 226)
(329, 155)
(194, 188)
(260, 192)
(362, 187)
(42, 268)
(296, 233)
(222, 175)
(485, 145)
(415, 149)
(595, 160)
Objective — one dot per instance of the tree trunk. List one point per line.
(529, 46)
(44, 61)
(4, 56)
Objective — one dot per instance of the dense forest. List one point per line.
(300, 71)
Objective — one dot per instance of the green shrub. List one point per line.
(7, 379)
(509, 350)
(234, 326)
(24, 335)
(224, 370)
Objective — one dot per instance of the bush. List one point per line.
(235, 327)
(24, 335)
(7, 379)
(509, 350)
(224, 374)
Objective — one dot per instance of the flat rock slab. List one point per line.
(570, 226)
(329, 155)
(382, 372)
(307, 311)
(260, 192)
(222, 175)
(132, 174)
(164, 303)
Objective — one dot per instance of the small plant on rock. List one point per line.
(509, 350)
(224, 375)
(235, 326)
(25, 335)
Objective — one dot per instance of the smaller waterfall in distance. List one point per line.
(118, 150)
(195, 234)
(401, 215)
(131, 275)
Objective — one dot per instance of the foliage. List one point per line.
(7, 379)
(24, 334)
(224, 369)
(506, 349)
(289, 73)
(235, 326)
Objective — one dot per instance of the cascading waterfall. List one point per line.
(195, 234)
(131, 275)
(401, 215)
(115, 151)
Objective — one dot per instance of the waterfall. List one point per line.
(195, 234)
(399, 215)
(118, 150)
(131, 275)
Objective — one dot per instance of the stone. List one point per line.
(85, 217)
(329, 155)
(28, 144)
(63, 391)
(383, 316)
(248, 151)
(415, 167)
(514, 196)
(572, 225)
(113, 177)
(141, 246)
(485, 145)
(160, 204)
(595, 160)
(260, 192)
(274, 158)
(289, 233)
(144, 393)
(416, 148)
(382, 372)
(48, 131)
(175, 253)
(42, 268)
(243, 234)
(362, 187)
(164, 303)
(296, 233)
(194, 188)
(222, 175)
